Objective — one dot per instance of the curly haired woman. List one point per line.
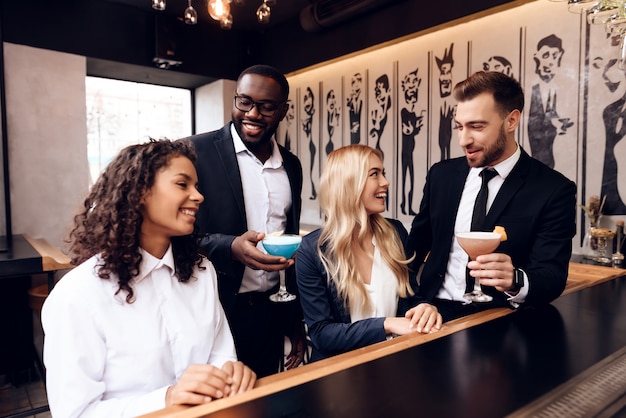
(137, 325)
(355, 285)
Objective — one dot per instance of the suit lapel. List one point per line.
(225, 150)
(452, 197)
(291, 171)
(514, 181)
(457, 184)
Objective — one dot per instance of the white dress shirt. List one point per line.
(454, 282)
(382, 292)
(108, 358)
(267, 199)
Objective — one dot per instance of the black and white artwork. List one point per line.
(355, 107)
(412, 99)
(287, 132)
(381, 97)
(606, 149)
(331, 117)
(449, 66)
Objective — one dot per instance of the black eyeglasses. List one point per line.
(245, 104)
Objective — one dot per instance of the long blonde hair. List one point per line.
(341, 186)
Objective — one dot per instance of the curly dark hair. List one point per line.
(110, 221)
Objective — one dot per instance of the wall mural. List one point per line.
(354, 85)
(398, 99)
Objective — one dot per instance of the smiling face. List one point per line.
(255, 129)
(374, 192)
(169, 207)
(486, 137)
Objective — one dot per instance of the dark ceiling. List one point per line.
(243, 11)
(121, 38)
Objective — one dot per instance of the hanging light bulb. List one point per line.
(227, 22)
(263, 13)
(190, 16)
(218, 9)
(158, 4)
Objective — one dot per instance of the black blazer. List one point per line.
(222, 215)
(537, 207)
(328, 321)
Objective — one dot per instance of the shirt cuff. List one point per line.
(520, 297)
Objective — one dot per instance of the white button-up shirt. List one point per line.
(382, 292)
(107, 358)
(267, 198)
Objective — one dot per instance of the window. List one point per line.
(121, 113)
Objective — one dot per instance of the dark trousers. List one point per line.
(258, 332)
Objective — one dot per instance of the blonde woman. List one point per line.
(353, 277)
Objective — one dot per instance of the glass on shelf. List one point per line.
(602, 236)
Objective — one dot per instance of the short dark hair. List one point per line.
(507, 92)
(271, 72)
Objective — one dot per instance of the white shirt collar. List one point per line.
(150, 263)
(505, 167)
(275, 160)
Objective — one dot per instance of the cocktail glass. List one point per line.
(284, 245)
(477, 243)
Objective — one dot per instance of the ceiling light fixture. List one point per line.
(608, 13)
(218, 9)
(158, 4)
(264, 13)
(190, 16)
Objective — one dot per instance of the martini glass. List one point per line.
(477, 243)
(284, 245)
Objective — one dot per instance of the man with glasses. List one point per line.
(252, 187)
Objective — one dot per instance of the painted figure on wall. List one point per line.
(446, 111)
(382, 93)
(614, 118)
(499, 64)
(289, 117)
(308, 102)
(544, 122)
(332, 119)
(354, 102)
(411, 126)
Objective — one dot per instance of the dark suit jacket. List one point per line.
(327, 319)
(222, 215)
(536, 206)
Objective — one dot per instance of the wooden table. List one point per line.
(30, 256)
(27, 256)
(486, 365)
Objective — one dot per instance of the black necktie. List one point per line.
(480, 205)
(480, 211)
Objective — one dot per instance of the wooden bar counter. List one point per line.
(485, 365)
